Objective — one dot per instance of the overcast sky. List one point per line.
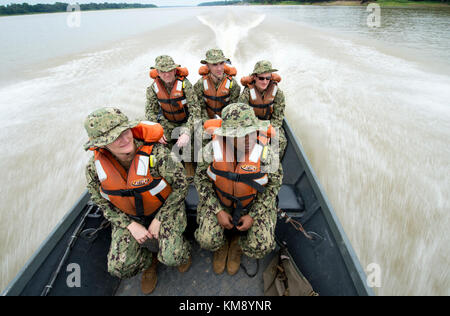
(156, 2)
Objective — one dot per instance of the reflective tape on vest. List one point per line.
(227, 85)
(155, 86)
(275, 89)
(105, 196)
(161, 186)
(263, 180)
(100, 172)
(148, 123)
(256, 153)
(142, 167)
(179, 85)
(253, 94)
(211, 174)
(218, 155)
(205, 84)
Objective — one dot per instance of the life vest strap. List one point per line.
(173, 112)
(238, 200)
(172, 101)
(244, 178)
(262, 106)
(216, 110)
(136, 193)
(219, 99)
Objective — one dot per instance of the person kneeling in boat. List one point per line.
(171, 101)
(262, 93)
(238, 189)
(141, 190)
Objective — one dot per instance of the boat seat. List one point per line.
(288, 200)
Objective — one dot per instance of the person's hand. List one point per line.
(153, 229)
(245, 222)
(183, 140)
(225, 220)
(163, 140)
(139, 232)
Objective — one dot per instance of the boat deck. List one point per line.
(200, 279)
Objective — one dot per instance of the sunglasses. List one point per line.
(264, 78)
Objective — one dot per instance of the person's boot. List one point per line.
(234, 256)
(184, 267)
(220, 258)
(149, 277)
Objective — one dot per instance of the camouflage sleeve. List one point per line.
(245, 96)
(151, 105)
(198, 88)
(207, 195)
(278, 109)
(173, 172)
(235, 92)
(267, 200)
(115, 216)
(193, 106)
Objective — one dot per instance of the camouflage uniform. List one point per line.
(260, 238)
(126, 256)
(214, 56)
(279, 104)
(152, 108)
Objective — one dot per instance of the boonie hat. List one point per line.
(214, 56)
(164, 63)
(238, 120)
(105, 125)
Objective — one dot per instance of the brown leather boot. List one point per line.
(220, 258)
(184, 267)
(234, 256)
(149, 277)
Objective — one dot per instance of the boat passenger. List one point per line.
(171, 101)
(217, 87)
(141, 189)
(261, 91)
(237, 190)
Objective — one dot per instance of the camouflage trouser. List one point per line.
(258, 242)
(282, 141)
(127, 257)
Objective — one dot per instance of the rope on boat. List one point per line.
(296, 224)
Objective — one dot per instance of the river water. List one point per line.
(370, 106)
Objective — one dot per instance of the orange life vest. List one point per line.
(134, 192)
(262, 105)
(173, 105)
(237, 182)
(216, 100)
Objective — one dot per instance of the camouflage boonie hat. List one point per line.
(105, 125)
(214, 56)
(263, 66)
(164, 63)
(238, 120)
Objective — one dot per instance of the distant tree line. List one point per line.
(220, 3)
(310, 1)
(25, 8)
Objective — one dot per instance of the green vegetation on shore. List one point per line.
(25, 8)
(390, 3)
